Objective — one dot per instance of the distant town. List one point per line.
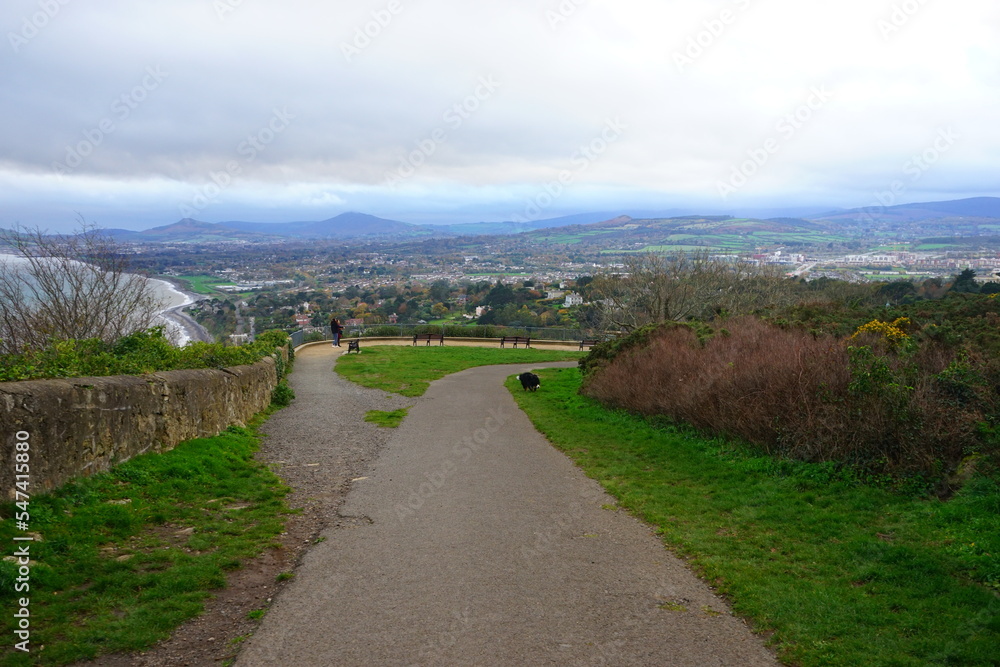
(371, 272)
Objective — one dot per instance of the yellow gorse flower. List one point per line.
(891, 332)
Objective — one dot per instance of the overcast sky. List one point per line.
(135, 113)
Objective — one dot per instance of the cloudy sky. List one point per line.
(135, 113)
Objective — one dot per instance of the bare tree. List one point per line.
(69, 286)
(653, 287)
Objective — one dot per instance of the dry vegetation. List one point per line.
(653, 288)
(883, 405)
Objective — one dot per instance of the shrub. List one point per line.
(886, 407)
(138, 353)
(606, 351)
(282, 395)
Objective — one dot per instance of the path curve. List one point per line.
(472, 541)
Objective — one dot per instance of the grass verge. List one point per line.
(835, 572)
(201, 284)
(391, 419)
(123, 558)
(410, 370)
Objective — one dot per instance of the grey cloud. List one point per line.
(367, 84)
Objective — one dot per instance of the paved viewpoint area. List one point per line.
(472, 541)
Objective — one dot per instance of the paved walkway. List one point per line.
(472, 541)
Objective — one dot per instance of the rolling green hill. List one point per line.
(718, 233)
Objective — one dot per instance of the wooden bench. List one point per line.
(515, 340)
(588, 342)
(428, 337)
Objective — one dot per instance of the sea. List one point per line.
(170, 298)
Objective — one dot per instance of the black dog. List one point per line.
(354, 345)
(529, 381)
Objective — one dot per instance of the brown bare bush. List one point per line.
(799, 395)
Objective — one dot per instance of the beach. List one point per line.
(181, 326)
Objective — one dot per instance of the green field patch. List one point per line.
(659, 248)
(386, 419)
(936, 246)
(410, 370)
(202, 284)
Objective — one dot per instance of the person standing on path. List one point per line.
(335, 330)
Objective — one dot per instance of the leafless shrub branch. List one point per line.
(653, 288)
(68, 287)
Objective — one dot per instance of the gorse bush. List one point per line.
(891, 333)
(142, 352)
(877, 400)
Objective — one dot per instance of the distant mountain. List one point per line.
(692, 232)
(807, 212)
(189, 230)
(510, 227)
(975, 207)
(661, 228)
(343, 226)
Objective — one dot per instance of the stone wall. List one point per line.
(81, 426)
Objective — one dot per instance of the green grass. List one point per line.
(936, 246)
(202, 284)
(384, 419)
(127, 556)
(842, 573)
(410, 370)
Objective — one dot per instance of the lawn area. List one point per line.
(834, 571)
(386, 419)
(203, 284)
(121, 559)
(410, 370)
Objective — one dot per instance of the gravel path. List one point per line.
(321, 441)
(466, 539)
(317, 445)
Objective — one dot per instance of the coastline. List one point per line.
(179, 321)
